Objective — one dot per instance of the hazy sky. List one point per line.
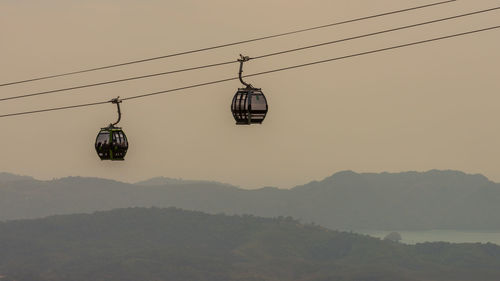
(433, 106)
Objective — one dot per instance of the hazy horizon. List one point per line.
(247, 187)
(448, 200)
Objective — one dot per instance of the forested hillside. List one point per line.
(172, 244)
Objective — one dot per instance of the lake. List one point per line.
(452, 236)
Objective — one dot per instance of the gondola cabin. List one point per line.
(111, 143)
(249, 106)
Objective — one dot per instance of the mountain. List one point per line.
(8, 177)
(411, 200)
(345, 200)
(172, 244)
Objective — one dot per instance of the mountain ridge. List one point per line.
(346, 200)
(161, 180)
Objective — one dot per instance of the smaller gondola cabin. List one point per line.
(111, 143)
(249, 106)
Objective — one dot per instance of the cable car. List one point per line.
(111, 142)
(249, 105)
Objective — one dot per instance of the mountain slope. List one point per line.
(430, 200)
(171, 244)
(346, 200)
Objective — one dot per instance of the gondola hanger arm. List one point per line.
(242, 60)
(117, 101)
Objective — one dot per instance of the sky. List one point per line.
(432, 106)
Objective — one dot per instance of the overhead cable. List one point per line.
(225, 45)
(317, 62)
(252, 58)
(265, 72)
(115, 81)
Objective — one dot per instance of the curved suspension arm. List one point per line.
(117, 101)
(243, 59)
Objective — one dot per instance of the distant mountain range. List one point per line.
(171, 244)
(344, 201)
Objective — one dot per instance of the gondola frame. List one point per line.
(243, 111)
(116, 150)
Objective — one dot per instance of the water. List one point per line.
(452, 236)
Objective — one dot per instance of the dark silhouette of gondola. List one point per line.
(249, 104)
(111, 142)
